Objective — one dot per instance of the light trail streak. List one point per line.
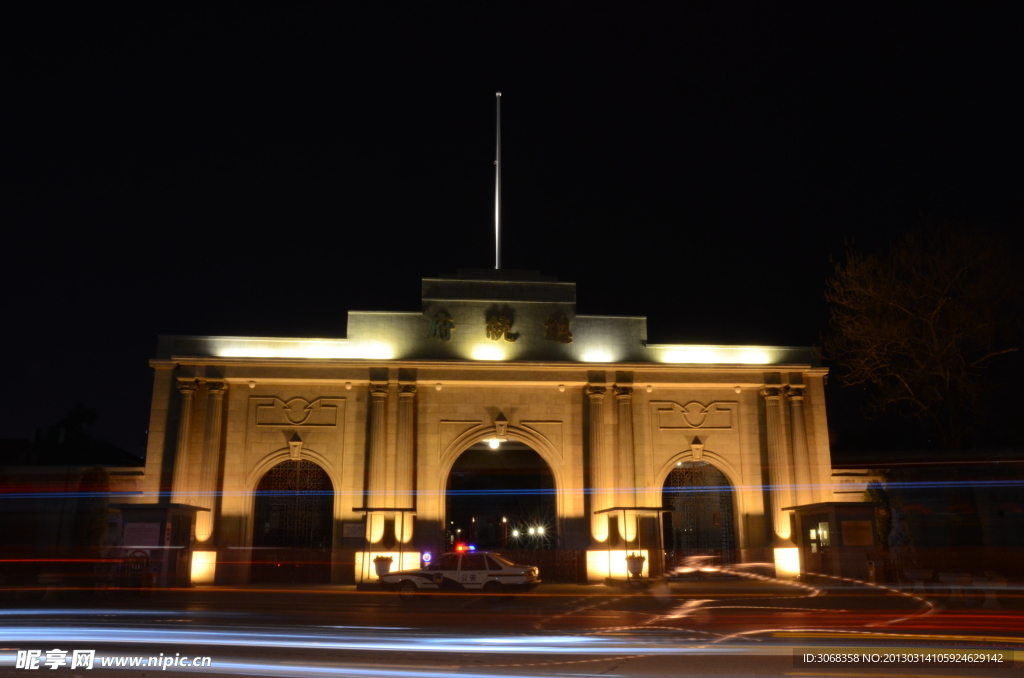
(238, 666)
(18, 492)
(65, 613)
(542, 645)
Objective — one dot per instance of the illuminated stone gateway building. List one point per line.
(365, 431)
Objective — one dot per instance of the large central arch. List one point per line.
(501, 496)
(484, 432)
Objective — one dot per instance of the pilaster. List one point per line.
(209, 477)
(779, 492)
(626, 477)
(180, 484)
(157, 480)
(804, 493)
(377, 471)
(602, 465)
(405, 457)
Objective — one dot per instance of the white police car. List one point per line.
(485, 571)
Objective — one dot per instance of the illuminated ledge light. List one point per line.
(714, 355)
(305, 348)
(597, 355)
(489, 351)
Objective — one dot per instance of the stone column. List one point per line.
(602, 465)
(179, 484)
(405, 458)
(779, 493)
(626, 477)
(377, 472)
(209, 476)
(801, 459)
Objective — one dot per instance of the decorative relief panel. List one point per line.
(552, 430)
(272, 411)
(672, 416)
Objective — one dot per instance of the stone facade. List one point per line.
(387, 411)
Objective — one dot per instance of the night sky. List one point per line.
(259, 169)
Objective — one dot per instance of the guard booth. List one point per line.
(835, 538)
(166, 534)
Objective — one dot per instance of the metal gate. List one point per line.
(294, 520)
(133, 570)
(556, 565)
(701, 522)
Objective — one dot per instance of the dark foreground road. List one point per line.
(747, 626)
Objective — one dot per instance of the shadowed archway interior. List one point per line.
(292, 530)
(488, 484)
(701, 520)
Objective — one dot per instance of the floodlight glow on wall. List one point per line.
(711, 355)
(487, 352)
(597, 355)
(315, 350)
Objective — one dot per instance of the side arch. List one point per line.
(731, 474)
(708, 456)
(271, 460)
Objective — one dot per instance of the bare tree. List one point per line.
(924, 325)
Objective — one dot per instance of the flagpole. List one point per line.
(497, 190)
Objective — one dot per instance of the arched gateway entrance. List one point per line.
(701, 520)
(501, 498)
(294, 519)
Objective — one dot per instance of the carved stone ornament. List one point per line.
(273, 411)
(771, 392)
(501, 425)
(795, 394)
(406, 390)
(187, 388)
(295, 447)
(672, 416)
(556, 328)
(623, 391)
(500, 327)
(595, 391)
(379, 390)
(441, 326)
(697, 448)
